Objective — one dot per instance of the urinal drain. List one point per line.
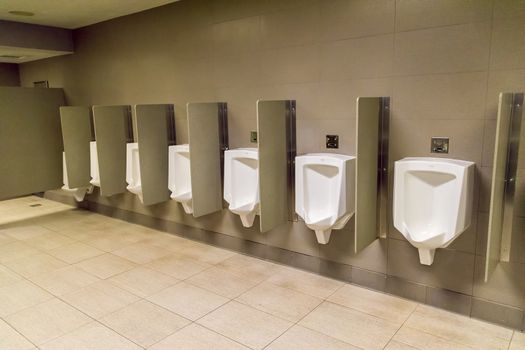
(35, 205)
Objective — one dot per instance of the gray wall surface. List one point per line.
(442, 62)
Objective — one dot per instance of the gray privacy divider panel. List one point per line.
(30, 140)
(497, 195)
(205, 157)
(368, 114)
(152, 123)
(112, 132)
(273, 171)
(76, 134)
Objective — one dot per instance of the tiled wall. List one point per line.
(9, 74)
(443, 62)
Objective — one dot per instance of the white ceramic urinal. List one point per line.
(179, 177)
(133, 169)
(93, 159)
(325, 192)
(78, 193)
(241, 183)
(432, 202)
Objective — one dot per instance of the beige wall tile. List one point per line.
(342, 19)
(505, 54)
(370, 57)
(447, 96)
(502, 81)
(296, 64)
(466, 138)
(280, 29)
(337, 99)
(443, 50)
(236, 36)
(414, 14)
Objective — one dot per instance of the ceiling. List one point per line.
(73, 14)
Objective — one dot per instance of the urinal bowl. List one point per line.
(432, 202)
(93, 160)
(325, 192)
(241, 183)
(133, 170)
(179, 177)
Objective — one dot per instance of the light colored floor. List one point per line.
(72, 279)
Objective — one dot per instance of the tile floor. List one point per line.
(71, 279)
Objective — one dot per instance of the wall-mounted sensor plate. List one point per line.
(439, 145)
(253, 136)
(332, 141)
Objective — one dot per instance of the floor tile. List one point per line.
(106, 265)
(195, 337)
(250, 268)
(281, 302)
(112, 242)
(21, 295)
(221, 282)
(518, 341)
(35, 265)
(178, 266)
(381, 305)
(142, 281)
(49, 241)
(73, 253)
(395, 345)
(92, 336)
(187, 300)
(26, 232)
(99, 299)
(459, 328)
(245, 325)
(302, 338)
(305, 282)
(204, 253)
(414, 339)
(65, 280)
(5, 239)
(47, 321)
(8, 277)
(351, 326)
(144, 323)
(16, 250)
(142, 253)
(10, 339)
